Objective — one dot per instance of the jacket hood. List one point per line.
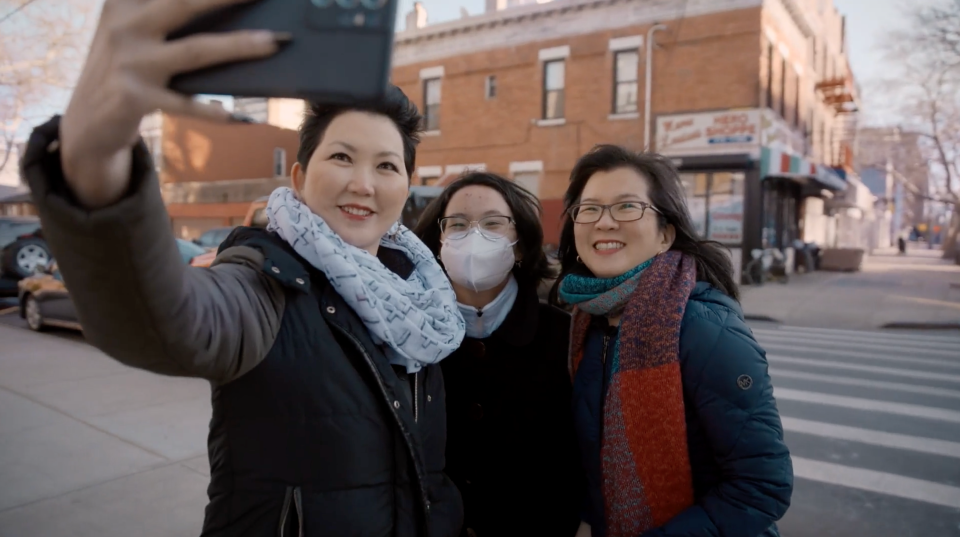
(710, 295)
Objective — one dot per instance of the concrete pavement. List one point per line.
(89, 447)
(918, 289)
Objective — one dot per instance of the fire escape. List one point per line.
(840, 95)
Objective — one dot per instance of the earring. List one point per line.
(578, 259)
(519, 264)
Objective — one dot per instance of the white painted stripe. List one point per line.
(850, 381)
(873, 335)
(870, 405)
(950, 348)
(889, 348)
(930, 446)
(9, 310)
(874, 481)
(831, 353)
(907, 373)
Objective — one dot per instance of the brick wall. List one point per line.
(195, 150)
(705, 62)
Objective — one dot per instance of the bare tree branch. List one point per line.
(41, 53)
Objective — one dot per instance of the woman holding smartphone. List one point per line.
(321, 336)
(673, 405)
(511, 446)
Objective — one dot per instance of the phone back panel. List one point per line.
(341, 49)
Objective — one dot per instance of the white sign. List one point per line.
(726, 218)
(727, 132)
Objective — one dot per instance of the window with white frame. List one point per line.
(490, 87)
(626, 66)
(431, 104)
(554, 75)
(279, 162)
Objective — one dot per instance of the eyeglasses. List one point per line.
(625, 211)
(491, 227)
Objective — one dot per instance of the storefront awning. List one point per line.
(777, 163)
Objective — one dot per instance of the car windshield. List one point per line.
(9, 231)
(188, 250)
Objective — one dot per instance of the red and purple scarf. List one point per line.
(645, 464)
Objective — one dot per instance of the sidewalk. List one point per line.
(919, 290)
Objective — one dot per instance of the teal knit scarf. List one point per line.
(602, 296)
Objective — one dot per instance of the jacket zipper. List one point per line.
(416, 396)
(396, 416)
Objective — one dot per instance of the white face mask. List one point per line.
(477, 262)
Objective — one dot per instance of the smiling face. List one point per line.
(610, 248)
(356, 180)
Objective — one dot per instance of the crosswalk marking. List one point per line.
(932, 446)
(896, 374)
(781, 340)
(896, 371)
(874, 481)
(865, 383)
(921, 340)
(867, 355)
(871, 405)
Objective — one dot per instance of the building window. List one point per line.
(770, 75)
(715, 202)
(782, 103)
(529, 181)
(796, 100)
(431, 104)
(490, 88)
(626, 65)
(279, 162)
(553, 84)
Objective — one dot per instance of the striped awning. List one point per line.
(777, 163)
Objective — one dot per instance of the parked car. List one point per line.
(211, 238)
(22, 247)
(45, 301)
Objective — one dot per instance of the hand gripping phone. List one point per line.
(341, 50)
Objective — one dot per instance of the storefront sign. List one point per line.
(727, 132)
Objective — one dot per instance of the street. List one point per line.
(89, 447)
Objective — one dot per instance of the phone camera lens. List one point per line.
(373, 4)
(349, 4)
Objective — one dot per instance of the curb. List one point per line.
(921, 326)
(763, 318)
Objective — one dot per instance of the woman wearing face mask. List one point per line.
(320, 337)
(511, 447)
(674, 410)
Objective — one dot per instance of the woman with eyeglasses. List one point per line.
(674, 410)
(511, 446)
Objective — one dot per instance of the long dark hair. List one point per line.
(526, 210)
(667, 195)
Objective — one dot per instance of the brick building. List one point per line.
(754, 99)
(209, 173)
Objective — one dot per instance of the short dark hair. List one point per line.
(526, 210)
(394, 104)
(667, 194)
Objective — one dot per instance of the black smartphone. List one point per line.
(341, 49)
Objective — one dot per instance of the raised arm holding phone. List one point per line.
(321, 336)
